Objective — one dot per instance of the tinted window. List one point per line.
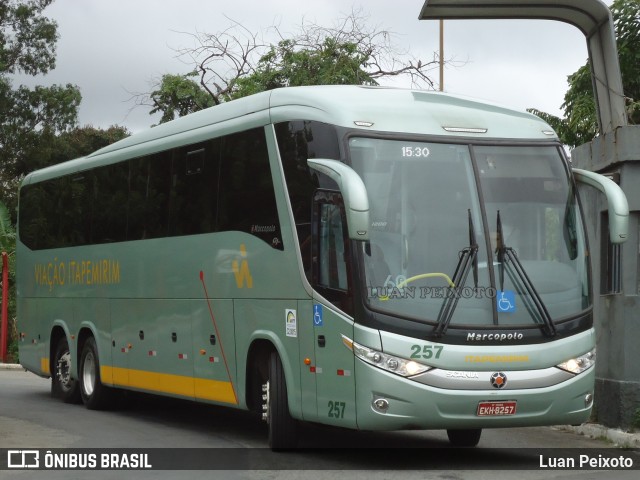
(221, 184)
(297, 142)
(247, 201)
(194, 181)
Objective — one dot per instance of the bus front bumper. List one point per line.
(389, 402)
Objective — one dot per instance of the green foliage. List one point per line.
(35, 114)
(76, 143)
(12, 349)
(28, 117)
(27, 39)
(50, 148)
(35, 123)
(178, 95)
(288, 65)
(627, 16)
(234, 63)
(579, 124)
(7, 232)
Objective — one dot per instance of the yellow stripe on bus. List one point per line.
(198, 388)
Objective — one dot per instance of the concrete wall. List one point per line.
(617, 315)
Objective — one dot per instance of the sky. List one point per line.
(112, 49)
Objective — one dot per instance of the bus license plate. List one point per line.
(494, 409)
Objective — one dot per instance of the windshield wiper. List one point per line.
(508, 255)
(468, 258)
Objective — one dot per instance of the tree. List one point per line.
(76, 143)
(35, 123)
(579, 124)
(178, 95)
(234, 63)
(27, 116)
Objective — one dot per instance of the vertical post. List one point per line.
(5, 301)
(441, 55)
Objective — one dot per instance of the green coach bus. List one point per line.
(370, 258)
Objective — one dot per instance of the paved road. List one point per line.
(30, 418)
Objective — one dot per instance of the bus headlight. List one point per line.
(390, 363)
(579, 364)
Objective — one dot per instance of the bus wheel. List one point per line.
(464, 438)
(63, 385)
(95, 395)
(275, 406)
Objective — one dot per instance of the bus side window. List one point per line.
(330, 246)
(332, 269)
(247, 199)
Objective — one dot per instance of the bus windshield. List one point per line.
(471, 236)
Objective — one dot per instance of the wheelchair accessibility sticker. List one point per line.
(317, 315)
(506, 301)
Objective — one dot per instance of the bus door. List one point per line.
(334, 363)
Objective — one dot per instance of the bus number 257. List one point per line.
(426, 351)
(336, 409)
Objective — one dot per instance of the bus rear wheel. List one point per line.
(464, 438)
(95, 395)
(283, 428)
(63, 385)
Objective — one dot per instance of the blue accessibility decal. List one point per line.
(506, 301)
(317, 315)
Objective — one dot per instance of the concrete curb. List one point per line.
(11, 366)
(618, 437)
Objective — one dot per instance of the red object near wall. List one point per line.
(5, 300)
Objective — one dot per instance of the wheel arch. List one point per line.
(84, 333)
(58, 331)
(256, 371)
(261, 346)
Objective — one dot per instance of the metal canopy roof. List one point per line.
(592, 17)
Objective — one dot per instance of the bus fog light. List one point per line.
(588, 400)
(381, 405)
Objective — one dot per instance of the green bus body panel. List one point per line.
(178, 316)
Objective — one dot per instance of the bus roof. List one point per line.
(379, 109)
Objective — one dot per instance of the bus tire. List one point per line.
(95, 395)
(283, 429)
(464, 438)
(63, 385)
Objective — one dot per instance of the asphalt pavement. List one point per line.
(616, 436)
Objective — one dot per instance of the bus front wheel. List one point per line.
(95, 395)
(282, 427)
(464, 438)
(63, 385)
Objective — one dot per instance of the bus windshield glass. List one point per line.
(440, 256)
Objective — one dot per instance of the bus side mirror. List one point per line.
(616, 200)
(354, 194)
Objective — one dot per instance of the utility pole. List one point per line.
(441, 55)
